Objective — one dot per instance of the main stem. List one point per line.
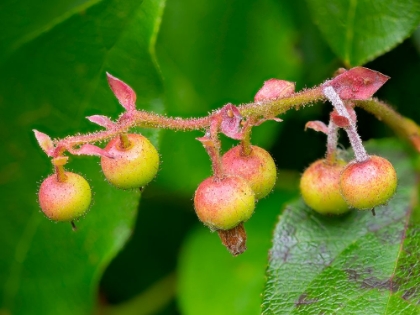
(271, 108)
(401, 125)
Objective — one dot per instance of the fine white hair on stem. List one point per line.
(355, 141)
(332, 139)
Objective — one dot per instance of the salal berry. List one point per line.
(365, 185)
(64, 200)
(320, 187)
(133, 166)
(257, 168)
(222, 204)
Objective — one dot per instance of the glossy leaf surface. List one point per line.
(55, 64)
(352, 264)
(360, 30)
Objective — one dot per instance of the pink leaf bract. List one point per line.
(340, 121)
(124, 93)
(102, 121)
(90, 149)
(317, 126)
(274, 89)
(358, 83)
(231, 122)
(206, 140)
(261, 120)
(44, 142)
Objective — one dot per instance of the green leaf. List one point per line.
(217, 52)
(51, 81)
(211, 281)
(21, 26)
(353, 264)
(360, 30)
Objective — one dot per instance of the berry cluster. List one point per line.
(245, 173)
(332, 186)
(128, 161)
(223, 202)
(226, 200)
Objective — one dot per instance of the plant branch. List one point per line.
(253, 111)
(332, 141)
(404, 127)
(151, 120)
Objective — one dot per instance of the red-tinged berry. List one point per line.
(368, 184)
(320, 187)
(134, 163)
(257, 168)
(64, 200)
(222, 204)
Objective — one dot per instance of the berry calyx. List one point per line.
(320, 187)
(135, 161)
(65, 199)
(367, 184)
(257, 168)
(234, 239)
(222, 204)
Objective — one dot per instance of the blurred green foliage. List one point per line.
(183, 58)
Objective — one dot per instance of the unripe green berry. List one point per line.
(258, 168)
(222, 204)
(64, 200)
(133, 166)
(320, 188)
(368, 184)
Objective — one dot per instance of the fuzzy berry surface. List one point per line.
(257, 168)
(222, 204)
(320, 187)
(131, 167)
(365, 185)
(64, 200)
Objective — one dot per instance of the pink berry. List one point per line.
(131, 167)
(65, 200)
(222, 204)
(320, 187)
(258, 168)
(365, 185)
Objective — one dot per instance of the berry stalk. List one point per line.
(211, 144)
(125, 142)
(332, 141)
(246, 141)
(355, 141)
